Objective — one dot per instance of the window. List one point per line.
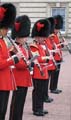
(60, 11)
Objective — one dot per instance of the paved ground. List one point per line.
(60, 108)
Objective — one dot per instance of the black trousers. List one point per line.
(38, 94)
(46, 90)
(4, 95)
(17, 104)
(54, 77)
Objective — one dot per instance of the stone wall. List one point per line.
(38, 9)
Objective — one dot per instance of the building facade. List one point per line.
(37, 9)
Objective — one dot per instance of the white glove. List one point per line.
(28, 62)
(12, 57)
(45, 57)
(57, 50)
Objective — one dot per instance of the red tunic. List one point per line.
(6, 77)
(36, 71)
(58, 56)
(22, 73)
(50, 47)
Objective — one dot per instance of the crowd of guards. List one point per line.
(24, 65)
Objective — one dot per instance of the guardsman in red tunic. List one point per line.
(20, 32)
(58, 55)
(7, 83)
(50, 50)
(40, 31)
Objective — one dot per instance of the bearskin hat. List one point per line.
(52, 22)
(58, 22)
(7, 15)
(41, 28)
(21, 27)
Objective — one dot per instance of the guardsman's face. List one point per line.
(22, 40)
(40, 39)
(56, 31)
(3, 32)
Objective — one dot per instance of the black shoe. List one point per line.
(39, 113)
(45, 112)
(59, 90)
(48, 100)
(56, 91)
